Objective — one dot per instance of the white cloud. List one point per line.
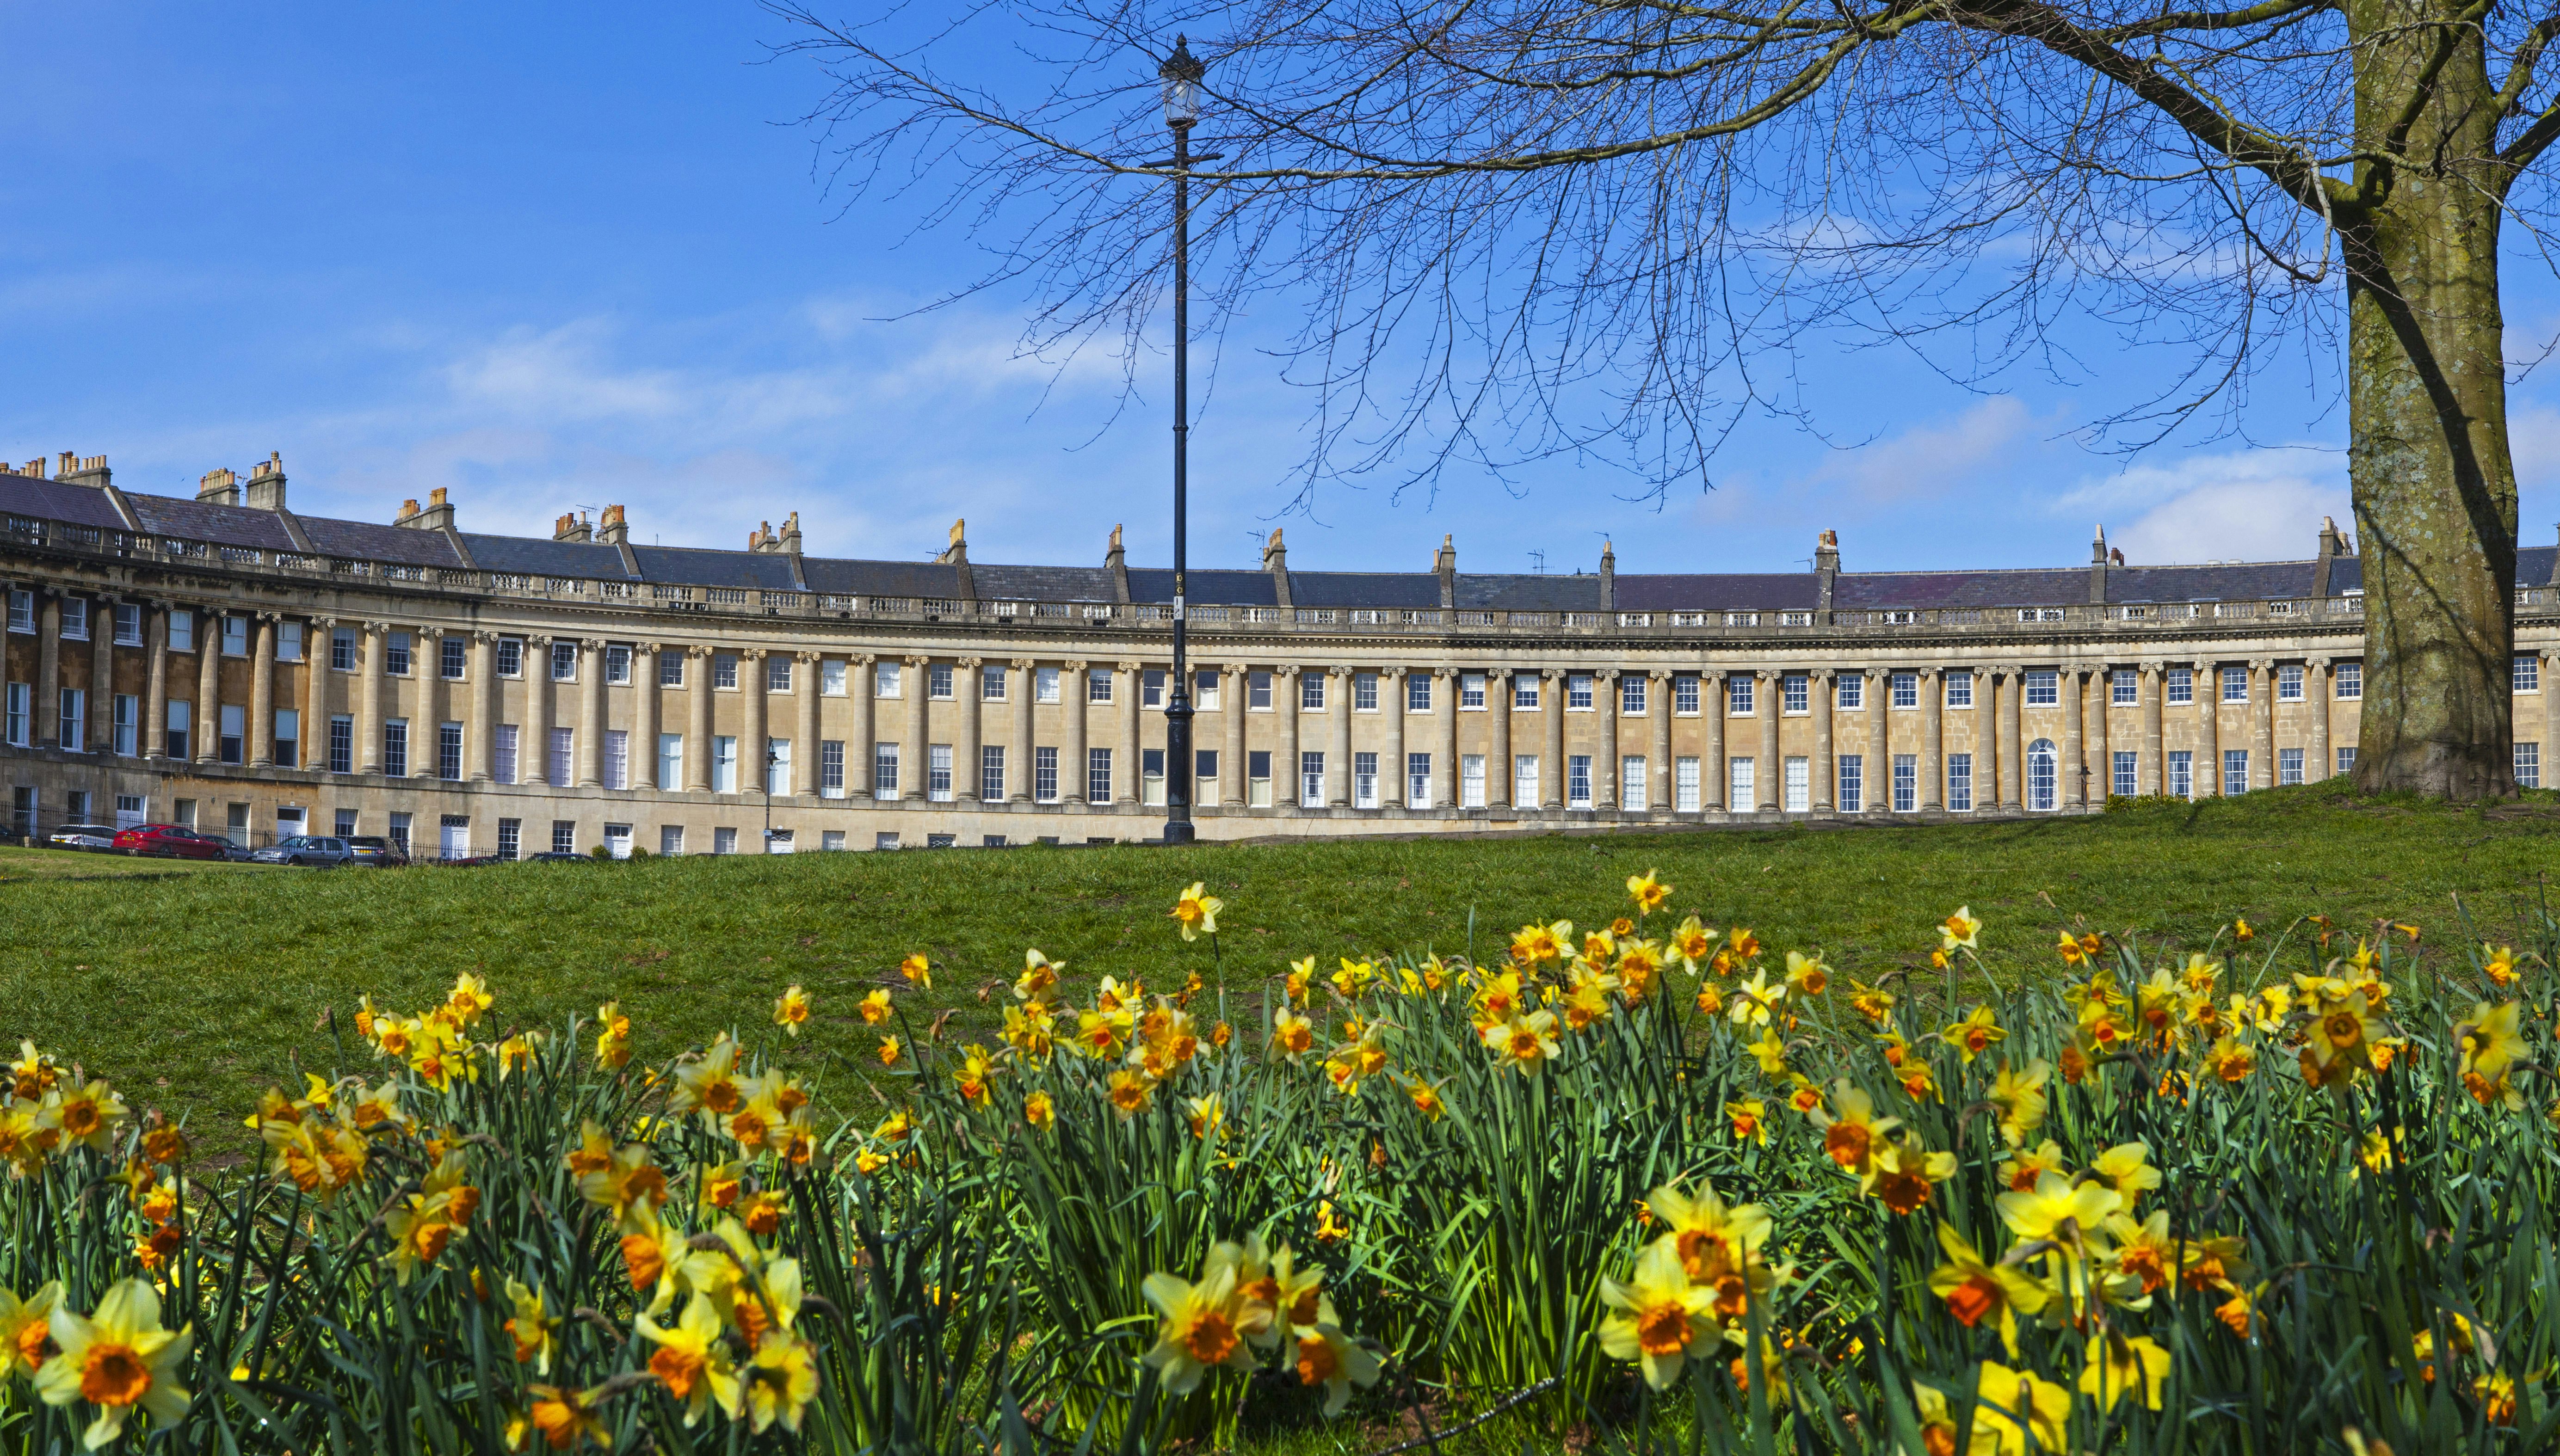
(1930, 459)
(2250, 504)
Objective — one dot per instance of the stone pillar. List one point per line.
(1932, 740)
(1498, 755)
(480, 739)
(805, 767)
(590, 732)
(1661, 792)
(2208, 719)
(697, 719)
(644, 714)
(49, 666)
(2101, 737)
(1877, 782)
(261, 694)
(1127, 783)
(1074, 706)
(2072, 793)
(751, 731)
(1446, 780)
(2262, 723)
(102, 675)
(1715, 774)
(915, 777)
(2151, 772)
(426, 669)
(1284, 681)
(1550, 769)
(2316, 698)
(155, 703)
(207, 718)
(1768, 779)
(1604, 756)
(1390, 685)
(2013, 744)
(1338, 758)
(969, 687)
(1230, 702)
(376, 646)
(859, 684)
(1824, 772)
(1022, 757)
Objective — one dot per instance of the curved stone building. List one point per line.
(224, 662)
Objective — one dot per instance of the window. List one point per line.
(1685, 695)
(2125, 687)
(345, 819)
(564, 744)
(831, 840)
(1151, 688)
(75, 619)
(2529, 764)
(1257, 778)
(1739, 796)
(1905, 690)
(1577, 780)
(564, 837)
(2127, 766)
(1365, 692)
(399, 829)
(235, 637)
(1203, 768)
(937, 680)
(1311, 779)
(128, 625)
(888, 679)
(1363, 781)
(991, 682)
(127, 724)
(670, 839)
(1257, 692)
(563, 662)
(129, 810)
(723, 841)
(1686, 788)
(777, 766)
(16, 722)
(1417, 781)
(1577, 693)
(342, 648)
(1906, 782)
(1044, 774)
(831, 678)
(2346, 760)
(1849, 691)
(1631, 696)
(1737, 695)
(671, 673)
(617, 665)
(2178, 685)
(1471, 781)
(182, 629)
(1098, 776)
(937, 772)
(2182, 774)
(396, 653)
(2043, 776)
(289, 737)
(2526, 672)
(1799, 785)
(2236, 685)
(1852, 783)
(72, 734)
(617, 759)
(22, 612)
(831, 768)
(1524, 689)
(1960, 783)
(1097, 685)
(724, 763)
(1631, 785)
(288, 638)
(180, 719)
(2351, 679)
(777, 673)
(885, 771)
(670, 762)
(1796, 693)
(395, 748)
(511, 838)
(991, 773)
(723, 670)
(2043, 688)
(449, 656)
(1311, 691)
(505, 764)
(2235, 771)
(2289, 765)
(231, 745)
(448, 751)
(511, 656)
(77, 802)
(1044, 686)
(1960, 691)
(886, 839)
(2289, 682)
(1417, 692)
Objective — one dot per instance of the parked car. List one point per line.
(236, 852)
(558, 857)
(166, 841)
(376, 850)
(318, 850)
(95, 838)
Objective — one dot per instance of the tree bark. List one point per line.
(2434, 485)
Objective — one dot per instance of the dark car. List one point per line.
(227, 848)
(166, 841)
(558, 856)
(95, 838)
(376, 850)
(317, 850)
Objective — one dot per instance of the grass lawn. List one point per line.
(194, 988)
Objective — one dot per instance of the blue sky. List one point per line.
(571, 254)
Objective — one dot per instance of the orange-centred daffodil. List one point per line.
(1659, 1316)
(1959, 930)
(2118, 1365)
(791, 1011)
(691, 1361)
(115, 1361)
(1975, 1289)
(1974, 1034)
(1850, 1129)
(2020, 1410)
(1196, 911)
(1647, 891)
(1202, 1326)
(1525, 1042)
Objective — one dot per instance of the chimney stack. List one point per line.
(1116, 563)
(439, 514)
(2330, 548)
(614, 527)
(791, 534)
(1826, 568)
(266, 488)
(572, 526)
(1275, 559)
(1608, 575)
(1445, 563)
(2097, 567)
(958, 552)
(218, 487)
(85, 470)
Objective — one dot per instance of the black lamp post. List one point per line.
(1180, 74)
(772, 760)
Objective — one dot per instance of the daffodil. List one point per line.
(2231, 1060)
(1039, 974)
(612, 1035)
(2144, 1250)
(1524, 1041)
(2022, 1410)
(1872, 1002)
(1806, 974)
(1202, 1326)
(1903, 1175)
(1206, 1113)
(780, 1381)
(1750, 1120)
(1717, 1246)
(1851, 1128)
(567, 1417)
(918, 970)
(2118, 1365)
(629, 1185)
(531, 1326)
(791, 1011)
(2497, 962)
(1196, 911)
(1959, 930)
(26, 1327)
(85, 1115)
(1975, 1289)
(709, 1083)
(2491, 1038)
(1755, 1002)
(2020, 1096)
(1327, 1357)
(1132, 1092)
(1647, 891)
(1292, 1033)
(1040, 1111)
(652, 1260)
(2024, 1166)
(1691, 943)
(690, 1360)
(2059, 1209)
(2127, 1168)
(1659, 1316)
(1976, 1033)
(891, 1049)
(875, 1008)
(1541, 945)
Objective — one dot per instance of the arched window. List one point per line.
(2042, 766)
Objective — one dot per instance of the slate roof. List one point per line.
(529, 557)
(370, 540)
(720, 568)
(224, 526)
(52, 501)
(1363, 588)
(1525, 592)
(1768, 591)
(998, 583)
(1221, 588)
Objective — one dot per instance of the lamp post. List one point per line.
(772, 760)
(1181, 76)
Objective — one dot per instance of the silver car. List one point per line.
(96, 838)
(317, 850)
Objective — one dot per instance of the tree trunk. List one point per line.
(2434, 483)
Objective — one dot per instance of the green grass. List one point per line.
(195, 988)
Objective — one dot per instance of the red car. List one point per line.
(165, 841)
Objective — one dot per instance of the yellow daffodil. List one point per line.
(1718, 1248)
(971, 1077)
(26, 1327)
(1691, 943)
(1850, 1129)
(780, 1381)
(2127, 1168)
(2023, 1167)
(691, 1361)
(629, 1185)
(2072, 955)
(1770, 1051)
(1959, 930)
(1206, 1113)
(1327, 1357)
(2491, 1038)
(2021, 1097)
(652, 1260)
(1756, 1001)
(1330, 1228)
(1202, 1326)
(1524, 1041)
(1647, 891)
(613, 1036)
(791, 1011)
(2022, 1411)
(1977, 1032)
(1750, 1120)
(85, 1115)
(2059, 1209)
(1132, 1092)
(874, 1007)
(1975, 1289)
(2144, 1250)
(1196, 911)
(1659, 1316)
(468, 999)
(1872, 1002)
(918, 970)
(2117, 1365)
(1292, 1033)
(2497, 962)
(531, 1326)
(1040, 1111)
(1806, 974)
(891, 1049)
(1903, 1175)
(1039, 974)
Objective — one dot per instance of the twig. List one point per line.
(1497, 1408)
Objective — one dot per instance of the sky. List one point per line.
(566, 255)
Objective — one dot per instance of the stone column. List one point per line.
(208, 716)
(1497, 754)
(2315, 696)
(1877, 782)
(1127, 783)
(2073, 791)
(1824, 770)
(426, 669)
(1071, 700)
(2101, 734)
(261, 694)
(590, 733)
(2012, 743)
(1390, 685)
(2208, 718)
(697, 719)
(1768, 780)
(644, 714)
(1661, 792)
(480, 739)
(155, 703)
(1338, 758)
(1933, 739)
(1550, 769)
(375, 645)
(864, 690)
(969, 687)
(751, 732)
(1230, 701)
(2262, 723)
(49, 666)
(102, 674)
(805, 755)
(1446, 780)
(1022, 757)
(1604, 757)
(1715, 774)
(915, 780)
(2151, 772)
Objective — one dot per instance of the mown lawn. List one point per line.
(195, 988)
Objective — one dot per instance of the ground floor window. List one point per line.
(1633, 790)
(2127, 771)
(1471, 781)
(2529, 766)
(1799, 785)
(1852, 783)
(1524, 780)
(1044, 774)
(2181, 774)
(1257, 778)
(2346, 760)
(2043, 774)
(1098, 776)
(886, 839)
(1906, 782)
(831, 839)
(564, 837)
(1417, 779)
(1311, 780)
(1363, 781)
(1577, 779)
(511, 838)
(670, 839)
(2235, 771)
(1686, 791)
(723, 841)
(2289, 765)
(1960, 783)
(1739, 797)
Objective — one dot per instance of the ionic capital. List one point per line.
(1024, 664)
(972, 663)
